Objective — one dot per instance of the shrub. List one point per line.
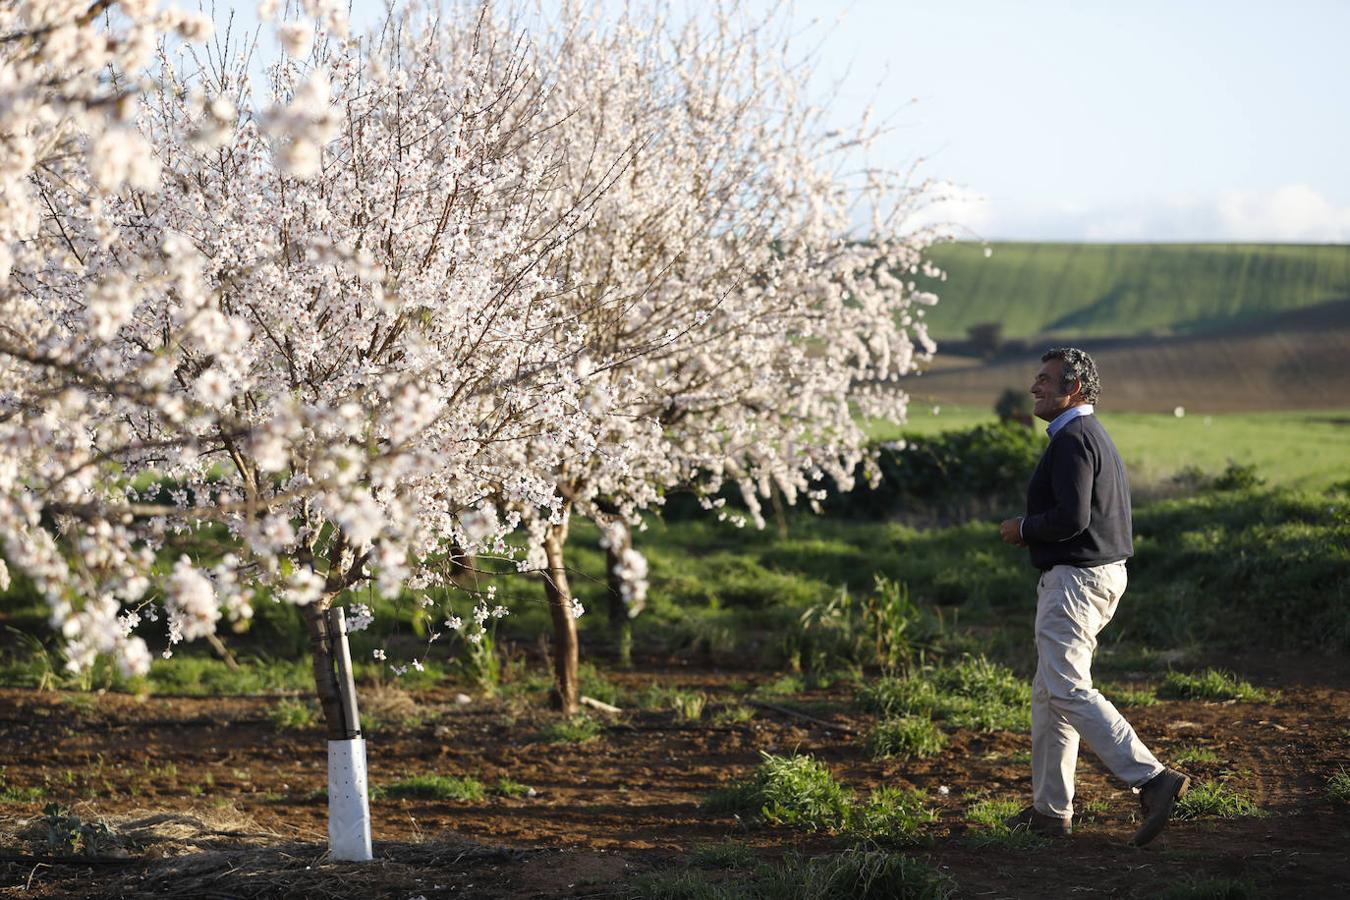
(911, 737)
(290, 714)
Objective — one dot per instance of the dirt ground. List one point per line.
(209, 799)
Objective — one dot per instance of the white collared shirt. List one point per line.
(1064, 418)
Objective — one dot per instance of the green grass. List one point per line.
(1194, 756)
(733, 714)
(578, 729)
(989, 815)
(292, 714)
(892, 817)
(971, 693)
(908, 737)
(506, 787)
(433, 787)
(11, 794)
(1338, 788)
(1123, 695)
(1216, 800)
(1078, 290)
(726, 855)
(797, 791)
(1211, 684)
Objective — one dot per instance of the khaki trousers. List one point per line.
(1072, 606)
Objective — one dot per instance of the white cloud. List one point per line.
(1288, 213)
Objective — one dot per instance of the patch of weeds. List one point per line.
(1338, 788)
(1195, 756)
(726, 855)
(681, 886)
(787, 790)
(385, 706)
(911, 737)
(578, 729)
(973, 693)
(854, 875)
(506, 787)
(892, 816)
(591, 683)
(1216, 800)
(784, 686)
(1213, 889)
(1122, 695)
(11, 794)
(292, 714)
(689, 706)
(66, 833)
(1089, 810)
(990, 815)
(733, 714)
(435, 787)
(1212, 684)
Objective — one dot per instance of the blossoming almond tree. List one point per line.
(734, 323)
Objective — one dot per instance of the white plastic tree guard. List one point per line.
(348, 786)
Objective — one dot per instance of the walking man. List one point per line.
(1077, 530)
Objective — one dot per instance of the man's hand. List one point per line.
(1011, 532)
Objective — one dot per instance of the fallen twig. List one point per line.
(788, 711)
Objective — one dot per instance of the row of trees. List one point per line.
(424, 289)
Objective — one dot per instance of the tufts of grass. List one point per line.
(784, 686)
(11, 794)
(1212, 684)
(787, 790)
(733, 714)
(726, 855)
(972, 693)
(435, 787)
(1338, 788)
(892, 817)
(854, 875)
(1195, 756)
(292, 714)
(1124, 695)
(910, 737)
(688, 705)
(506, 787)
(681, 886)
(1213, 889)
(1216, 800)
(578, 729)
(990, 815)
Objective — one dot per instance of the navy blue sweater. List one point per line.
(1078, 501)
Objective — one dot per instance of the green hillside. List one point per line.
(1098, 290)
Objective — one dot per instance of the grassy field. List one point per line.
(1095, 290)
(1292, 449)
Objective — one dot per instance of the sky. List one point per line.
(1129, 120)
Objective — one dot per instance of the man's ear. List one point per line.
(1076, 392)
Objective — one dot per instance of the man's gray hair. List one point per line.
(1076, 366)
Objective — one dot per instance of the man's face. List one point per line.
(1050, 401)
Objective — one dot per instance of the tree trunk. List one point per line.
(619, 620)
(566, 693)
(325, 678)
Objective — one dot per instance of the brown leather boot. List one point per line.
(1037, 822)
(1157, 799)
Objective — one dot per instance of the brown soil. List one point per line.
(243, 797)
